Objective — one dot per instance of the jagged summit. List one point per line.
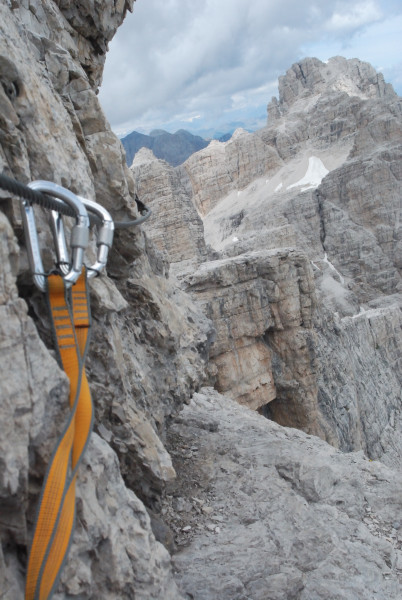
(144, 155)
(240, 131)
(311, 77)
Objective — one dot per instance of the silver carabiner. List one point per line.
(104, 239)
(79, 233)
(59, 238)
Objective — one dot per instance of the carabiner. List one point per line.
(59, 238)
(79, 233)
(104, 239)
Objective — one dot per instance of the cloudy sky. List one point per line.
(211, 65)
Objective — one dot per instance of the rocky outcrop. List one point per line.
(346, 219)
(312, 522)
(262, 306)
(359, 379)
(222, 167)
(332, 191)
(176, 228)
(149, 342)
(312, 78)
(308, 335)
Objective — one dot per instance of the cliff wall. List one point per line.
(301, 334)
(149, 341)
(324, 179)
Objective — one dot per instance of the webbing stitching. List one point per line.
(70, 479)
(74, 471)
(66, 427)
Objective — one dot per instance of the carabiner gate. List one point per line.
(79, 234)
(104, 238)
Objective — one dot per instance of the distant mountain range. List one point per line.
(175, 148)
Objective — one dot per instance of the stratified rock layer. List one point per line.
(296, 518)
(311, 77)
(262, 305)
(176, 228)
(222, 167)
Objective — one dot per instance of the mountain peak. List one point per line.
(157, 132)
(144, 155)
(311, 77)
(174, 148)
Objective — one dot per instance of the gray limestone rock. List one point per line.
(262, 305)
(176, 228)
(311, 77)
(225, 166)
(298, 519)
(149, 344)
(332, 192)
(115, 554)
(311, 321)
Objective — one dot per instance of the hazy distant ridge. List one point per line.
(175, 148)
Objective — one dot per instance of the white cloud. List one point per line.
(349, 16)
(190, 119)
(173, 60)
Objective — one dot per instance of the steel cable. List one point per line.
(34, 197)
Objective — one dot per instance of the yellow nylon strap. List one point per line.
(55, 520)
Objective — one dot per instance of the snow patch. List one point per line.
(316, 172)
(361, 312)
(279, 187)
(331, 266)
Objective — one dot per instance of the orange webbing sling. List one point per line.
(55, 519)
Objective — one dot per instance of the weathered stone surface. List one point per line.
(176, 227)
(139, 383)
(324, 355)
(360, 210)
(332, 191)
(336, 197)
(32, 400)
(114, 554)
(262, 306)
(147, 354)
(288, 515)
(360, 378)
(311, 78)
(224, 166)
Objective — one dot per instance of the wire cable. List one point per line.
(34, 197)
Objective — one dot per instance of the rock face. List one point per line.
(176, 230)
(275, 518)
(222, 167)
(262, 305)
(331, 189)
(311, 78)
(149, 342)
(300, 272)
(174, 148)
